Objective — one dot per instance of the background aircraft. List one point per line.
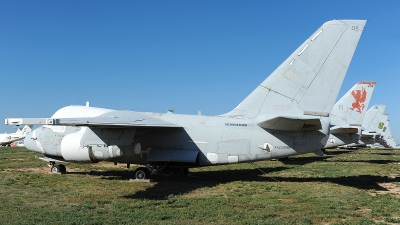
(7, 139)
(348, 114)
(376, 131)
(371, 124)
(287, 114)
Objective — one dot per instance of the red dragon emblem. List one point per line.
(359, 96)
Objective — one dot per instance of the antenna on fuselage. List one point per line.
(87, 104)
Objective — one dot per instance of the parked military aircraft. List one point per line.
(287, 114)
(370, 125)
(7, 139)
(348, 115)
(377, 131)
(386, 138)
(383, 130)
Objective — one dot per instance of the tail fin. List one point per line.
(372, 118)
(352, 107)
(308, 82)
(385, 135)
(25, 131)
(383, 122)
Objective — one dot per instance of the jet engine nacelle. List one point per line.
(71, 149)
(86, 145)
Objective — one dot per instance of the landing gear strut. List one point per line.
(143, 173)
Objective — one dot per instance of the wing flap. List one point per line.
(291, 123)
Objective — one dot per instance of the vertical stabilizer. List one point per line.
(382, 126)
(352, 107)
(385, 135)
(24, 131)
(372, 118)
(308, 81)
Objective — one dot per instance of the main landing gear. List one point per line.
(143, 173)
(57, 168)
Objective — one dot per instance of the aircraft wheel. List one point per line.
(63, 169)
(142, 173)
(55, 169)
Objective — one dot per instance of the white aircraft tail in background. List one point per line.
(371, 123)
(352, 107)
(348, 114)
(7, 139)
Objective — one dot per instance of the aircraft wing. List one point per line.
(291, 123)
(343, 129)
(134, 120)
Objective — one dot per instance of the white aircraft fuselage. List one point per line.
(218, 140)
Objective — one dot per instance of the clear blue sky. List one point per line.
(186, 55)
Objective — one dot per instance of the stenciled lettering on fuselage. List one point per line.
(281, 107)
(236, 124)
(235, 134)
(234, 146)
(282, 147)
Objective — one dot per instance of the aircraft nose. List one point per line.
(32, 143)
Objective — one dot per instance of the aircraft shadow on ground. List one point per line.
(384, 153)
(182, 185)
(304, 161)
(337, 151)
(382, 162)
(326, 158)
(166, 186)
(311, 159)
(177, 185)
(109, 175)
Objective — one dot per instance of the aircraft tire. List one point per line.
(55, 169)
(63, 169)
(142, 173)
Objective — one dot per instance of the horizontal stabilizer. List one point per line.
(291, 123)
(345, 129)
(139, 120)
(367, 134)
